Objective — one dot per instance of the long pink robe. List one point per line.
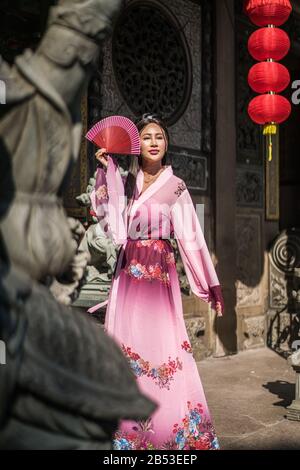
(144, 311)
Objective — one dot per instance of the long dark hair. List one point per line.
(136, 162)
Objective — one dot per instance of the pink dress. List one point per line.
(144, 311)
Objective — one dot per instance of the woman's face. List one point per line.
(153, 142)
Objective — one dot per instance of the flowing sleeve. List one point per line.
(109, 202)
(193, 250)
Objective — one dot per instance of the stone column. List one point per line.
(225, 169)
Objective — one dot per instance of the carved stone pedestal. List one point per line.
(293, 412)
(92, 292)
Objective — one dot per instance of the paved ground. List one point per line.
(247, 394)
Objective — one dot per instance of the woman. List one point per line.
(144, 312)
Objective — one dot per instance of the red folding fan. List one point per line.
(117, 134)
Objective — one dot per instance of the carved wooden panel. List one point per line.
(153, 70)
(193, 126)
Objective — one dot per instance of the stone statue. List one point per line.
(65, 384)
(103, 253)
(95, 286)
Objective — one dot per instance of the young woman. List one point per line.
(144, 311)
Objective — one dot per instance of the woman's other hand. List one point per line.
(218, 301)
(102, 157)
(219, 309)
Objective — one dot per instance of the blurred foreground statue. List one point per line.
(65, 384)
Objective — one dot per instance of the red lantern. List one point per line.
(269, 43)
(268, 76)
(269, 108)
(268, 12)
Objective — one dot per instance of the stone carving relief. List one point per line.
(247, 296)
(196, 328)
(284, 287)
(254, 330)
(249, 269)
(249, 187)
(284, 259)
(285, 253)
(278, 290)
(190, 168)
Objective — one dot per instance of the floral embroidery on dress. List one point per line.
(158, 245)
(162, 375)
(135, 440)
(170, 258)
(187, 347)
(180, 188)
(154, 272)
(150, 242)
(101, 192)
(195, 431)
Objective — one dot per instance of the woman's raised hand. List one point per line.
(102, 157)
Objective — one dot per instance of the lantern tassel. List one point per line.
(269, 131)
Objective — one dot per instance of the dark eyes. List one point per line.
(148, 137)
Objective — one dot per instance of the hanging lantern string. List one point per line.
(268, 78)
